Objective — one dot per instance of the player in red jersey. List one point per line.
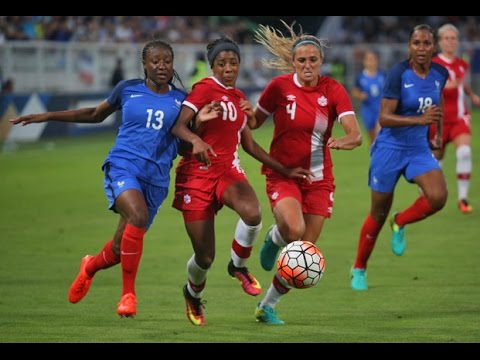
(456, 121)
(210, 176)
(305, 106)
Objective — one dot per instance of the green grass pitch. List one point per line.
(53, 211)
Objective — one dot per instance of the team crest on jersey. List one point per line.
(275, 195)
(187, 199)
(322, 101)
(437, 84)
(291, 98)
(225, 98)
(178, 103)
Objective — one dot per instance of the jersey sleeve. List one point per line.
(267, 101)
(393, 83)
(199, 97)
(342, 101)
(115, 98)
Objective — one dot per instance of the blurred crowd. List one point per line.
(107, 29)
(201, 29)
(396, 29)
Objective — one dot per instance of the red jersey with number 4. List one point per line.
(223, 133)
(454, 97)
(304, 117)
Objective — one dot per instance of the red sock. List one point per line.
(279, 286)
(131, 252)
(366, 242)
(240, 250)
(419, 210)
(104, 260)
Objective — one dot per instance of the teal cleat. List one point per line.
(268, 253)
(266, 314)
(398, 237)
(359, 279)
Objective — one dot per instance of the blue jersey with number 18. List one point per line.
(414, 95)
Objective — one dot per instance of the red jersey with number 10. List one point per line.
(303, 118)
(223, 133)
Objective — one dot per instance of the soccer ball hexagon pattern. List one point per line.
(301, 264)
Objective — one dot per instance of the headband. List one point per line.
(217, 49)
(305, 42)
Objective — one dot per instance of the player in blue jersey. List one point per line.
(137, 168)
(368, 89)
(411, 101)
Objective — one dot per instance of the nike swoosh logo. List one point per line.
(408, 85)
(134, 96)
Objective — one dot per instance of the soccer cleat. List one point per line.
(359, 279)
(194, 308)
(267, 315)
(464, 206)
(398, 237)
(249, 284)
(81, 284)
(268, 253)
(127, 307)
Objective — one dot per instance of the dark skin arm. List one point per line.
(84, 115)
(432, 115)
(257, 152)
(183, 131)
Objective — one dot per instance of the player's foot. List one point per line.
(266, 314)
(398, 237)
(359, 279)
(268, 253)
(194, 308)
(127, 307)
(81, 284)
(249, 284)
(464, 206)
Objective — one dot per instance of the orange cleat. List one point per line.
(81, 284)
(464, 206)
(194, 308)
(249, 284)
(127, 307)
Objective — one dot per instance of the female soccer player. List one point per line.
(368, 89)
(210, 176)
(456, 122)
(137, 168)
(305, 106)
(411, 101)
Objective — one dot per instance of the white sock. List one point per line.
(245, 236)
(277, 237)
(196, 276)
(464, 169)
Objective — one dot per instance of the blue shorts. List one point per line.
(386, 166)
(369, 118)
(118, 180)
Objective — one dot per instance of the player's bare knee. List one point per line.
(138, 219)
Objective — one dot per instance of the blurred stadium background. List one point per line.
(53, 210)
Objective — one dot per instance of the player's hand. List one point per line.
(209, 112)
(299, 173)
(246, 107)
(475, 99)
(432, 115)
(30, 119)
(436, 142)
(200, 151)
(335, 144)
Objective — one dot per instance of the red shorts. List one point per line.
(204, 194)
(451, 130)
(316, 198)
